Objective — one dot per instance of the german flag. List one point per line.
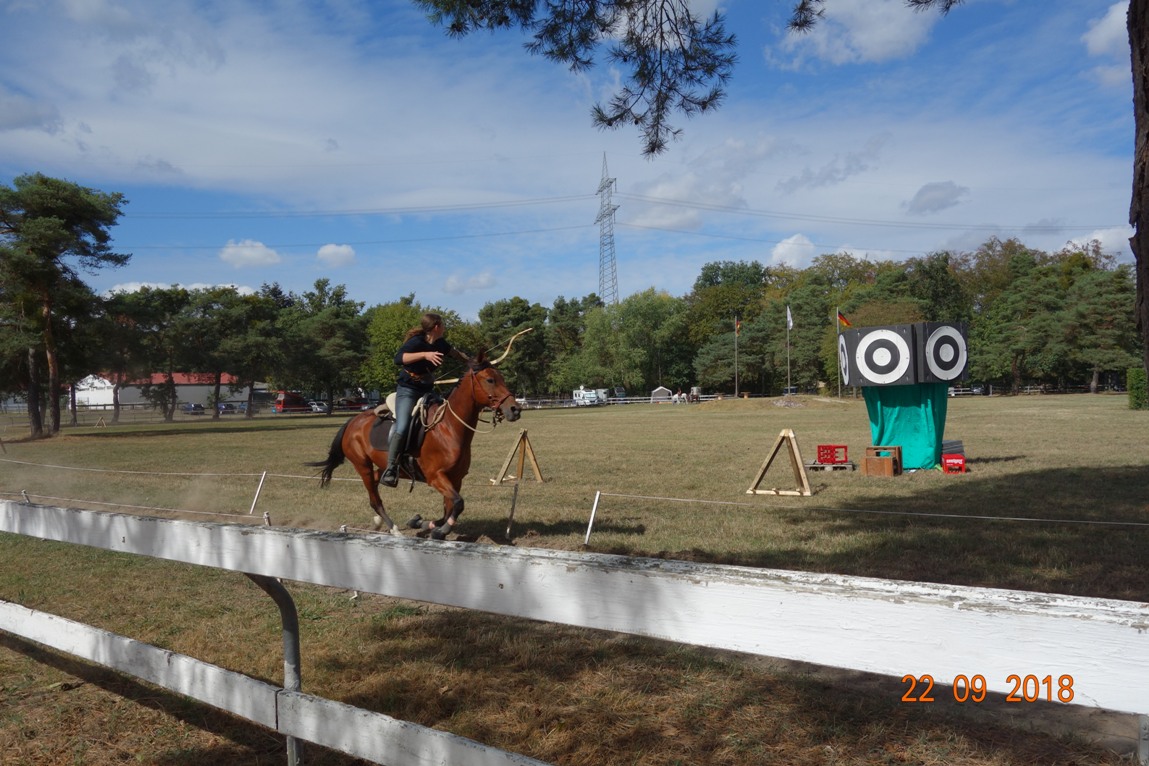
(843, 321)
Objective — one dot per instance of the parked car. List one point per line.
(318, 406)
(190, 408)
(353, 405)
(226, 408)
(242, 407)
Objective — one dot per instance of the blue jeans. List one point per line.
(405, 401)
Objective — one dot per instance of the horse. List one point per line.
(443, 458)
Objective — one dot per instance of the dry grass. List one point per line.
(562, 695)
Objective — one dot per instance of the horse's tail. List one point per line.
(334, 459)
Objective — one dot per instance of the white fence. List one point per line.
(895, 628)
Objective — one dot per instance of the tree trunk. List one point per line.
(215, 397)
(116, 402)
(53, 367)
(35, 422)
(1138, 24)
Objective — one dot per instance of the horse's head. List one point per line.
(489, 389)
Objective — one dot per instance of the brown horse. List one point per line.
(445, 455)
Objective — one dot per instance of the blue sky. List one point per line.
(273, 141)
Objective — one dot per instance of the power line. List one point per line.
(407, 240)
(353, 212)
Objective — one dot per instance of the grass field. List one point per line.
(1056, 500)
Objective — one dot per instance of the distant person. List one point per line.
(422, 351)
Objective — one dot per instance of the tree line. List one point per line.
(1060, 319)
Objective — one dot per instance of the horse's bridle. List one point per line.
(497, 407)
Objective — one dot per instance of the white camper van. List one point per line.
(584, 397)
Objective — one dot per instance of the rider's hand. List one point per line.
(434, 357)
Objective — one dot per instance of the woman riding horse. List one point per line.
(422, 351)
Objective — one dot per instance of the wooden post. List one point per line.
(523, 444)
(787, 436)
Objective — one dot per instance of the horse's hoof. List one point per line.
(415, 523)
(440, 533)
(395, 530)
(378, 523)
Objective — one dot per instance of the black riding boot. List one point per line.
(390, 477)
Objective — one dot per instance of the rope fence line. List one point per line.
(908, 514)
(887, 513)
(594, 509)
(26, 497)
(170, 473)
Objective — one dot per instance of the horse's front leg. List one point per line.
(370, 475)
(452, 507)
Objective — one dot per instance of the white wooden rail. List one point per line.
(868, 624)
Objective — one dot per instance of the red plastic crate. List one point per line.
(953, 463)
(832, 453)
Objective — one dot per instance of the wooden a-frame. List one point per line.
(523, 447)
(796, 463)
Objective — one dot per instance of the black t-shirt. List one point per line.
(420, 375)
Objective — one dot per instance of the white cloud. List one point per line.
(1108, 37)
(796, 251)
(854, 31)
(248, 252)
(1115, 241)
(457, 285)
(135, 287)
(935, 197)
(336, 255)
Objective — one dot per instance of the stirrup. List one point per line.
(390, 477)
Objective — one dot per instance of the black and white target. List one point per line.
(884, 357)
(943, 352)
(877, 356)
(844, 361)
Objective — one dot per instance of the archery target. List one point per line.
(843, 361)
(943, 352)
(878, 356)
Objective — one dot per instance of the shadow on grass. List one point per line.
(602, 698)
(248, 744)
(526, 531)
(1080, 531)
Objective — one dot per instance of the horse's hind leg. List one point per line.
(370, 475)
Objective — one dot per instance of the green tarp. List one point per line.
(912, 417)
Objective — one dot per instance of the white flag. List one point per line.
(789, 319)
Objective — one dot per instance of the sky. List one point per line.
(271, 141)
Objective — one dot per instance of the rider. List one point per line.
(422, 351)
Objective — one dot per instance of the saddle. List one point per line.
(424, 414)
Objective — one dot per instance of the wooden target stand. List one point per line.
(790, 441)
(524, 450)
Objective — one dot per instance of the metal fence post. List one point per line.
(291, 656)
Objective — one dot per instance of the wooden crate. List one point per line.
(882, 461)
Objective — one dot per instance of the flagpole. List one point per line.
(837, 345)
(736, 329)
(789, 321)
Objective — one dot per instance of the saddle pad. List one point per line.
(380, 433)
